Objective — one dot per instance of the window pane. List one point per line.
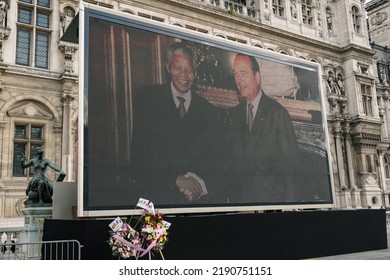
(43, 3)
(26, 1)
(43, 20)
(20, 132)
(41, 50)
(23, 47)
(19, 151)
(24, 15)
(36, 133)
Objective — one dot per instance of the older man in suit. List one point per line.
(264, 149)
(175, 151)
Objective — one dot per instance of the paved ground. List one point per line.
(368, 255)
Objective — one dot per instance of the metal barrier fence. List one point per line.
(44, 250)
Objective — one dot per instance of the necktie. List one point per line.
(181, 108)
(250, 117)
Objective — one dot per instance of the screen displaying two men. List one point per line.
(190, 121)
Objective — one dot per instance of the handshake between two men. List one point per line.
(191, 185)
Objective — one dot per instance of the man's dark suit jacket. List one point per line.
(165, 146)
(264, 163)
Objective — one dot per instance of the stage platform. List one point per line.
(251, 236)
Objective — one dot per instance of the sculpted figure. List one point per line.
(40, 187)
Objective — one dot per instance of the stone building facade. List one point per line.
(378, 19)
(39, 94)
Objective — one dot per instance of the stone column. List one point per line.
(339, 153)
(349, 154)
(374, 103)
(382, 115)
(387, 113)
(2, 166)
(381, 171)
(69, 78)
(67, 152)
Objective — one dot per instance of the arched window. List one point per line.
(387, 165)
(176, 24)
(257, 45)
(128, 11)
(221, 36)
(356, 19)
(284, 52)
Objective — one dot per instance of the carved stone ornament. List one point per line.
(369, 179)
(318, 4)
(379, 18)
(69, 50)
(30, 110)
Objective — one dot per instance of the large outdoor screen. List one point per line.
(195, 123)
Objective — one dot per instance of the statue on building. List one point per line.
(40, 187)
(335, 86)
(331, 82)
(4, 5)
(293, 9)
(383, 76)
(340, 84)
(67, 17)
(329, 19)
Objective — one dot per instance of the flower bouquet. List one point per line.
(125, 242)
(150, 232)
(154, 230)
